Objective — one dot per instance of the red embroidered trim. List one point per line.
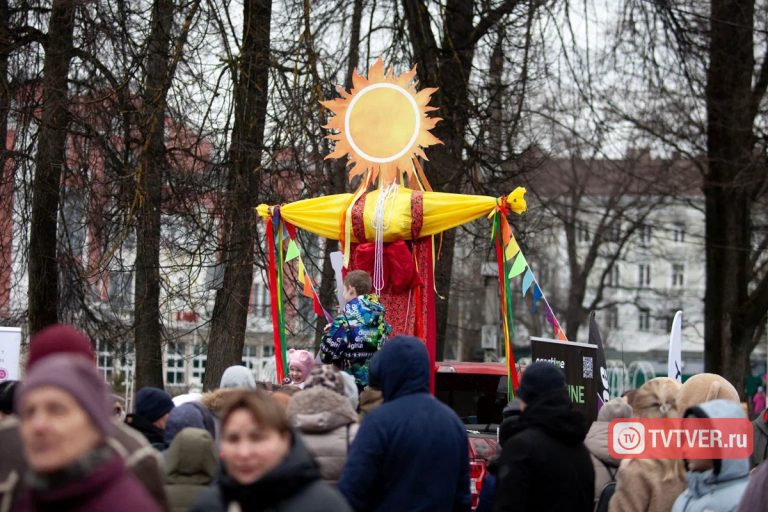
(358, 223)
(417, 213)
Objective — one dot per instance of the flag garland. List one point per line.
(512, 264)
(521, 266)
(307, 282)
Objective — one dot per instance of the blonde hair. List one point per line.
(657, 398)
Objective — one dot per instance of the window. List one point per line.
(665, 322)
(214, 277)
(199, 358)
(643, 275)
(104, 360)
(678, 275)
(174, 373)
(678, 233)
(613, 276)
(73, 222)
(120, 288)
(613, 318)
(644, 320)
(582, 232)
(613, 232)
(268, 350)
(645, 235)
(261, 300)
(249, 357)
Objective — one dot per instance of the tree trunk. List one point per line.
(727, 189)
(338, 179)
(449, 70)
(49, 163)
(149, 184)
(6, 171)
(575, 314)
(230, 311)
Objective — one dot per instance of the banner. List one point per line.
(603, 387)
(577, 362)
(10, 353)
(675, 359)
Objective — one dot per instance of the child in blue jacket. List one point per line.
(358, 332)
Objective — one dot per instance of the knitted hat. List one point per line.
(190, 414)
(57, 339)
(301, 359)
(539, 378)
(326, 376)
(613, 409)
(703, 388)
(153, 403)
(237, 377)
(7, 389)
(77, 377)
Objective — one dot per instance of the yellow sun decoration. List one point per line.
(382, 124)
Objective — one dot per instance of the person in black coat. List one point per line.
(544, 464)
(153, 406)
(265, 465)
(411, 453)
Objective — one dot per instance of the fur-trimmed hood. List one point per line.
(318, 410)
(214, 400)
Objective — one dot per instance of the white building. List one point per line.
(648, 218)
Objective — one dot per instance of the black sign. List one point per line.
(578, 362)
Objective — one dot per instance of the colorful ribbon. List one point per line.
(275, 272)
(507, 311)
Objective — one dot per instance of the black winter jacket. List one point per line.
(293, 486)
(544, 465)
(153, 434)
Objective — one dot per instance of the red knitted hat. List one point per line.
(59, 339)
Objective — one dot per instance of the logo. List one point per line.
(3, 374)
(680, 438)
(628, 438)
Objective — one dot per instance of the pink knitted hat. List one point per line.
(301, 359)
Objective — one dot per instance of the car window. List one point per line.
(475, 398)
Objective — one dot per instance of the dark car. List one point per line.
(478, 394)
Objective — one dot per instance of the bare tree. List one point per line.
(337, 175)
(448, 66)
(50, 160)
(245, 154)
(696, 62)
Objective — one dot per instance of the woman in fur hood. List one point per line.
(234, 379)
(325, 419)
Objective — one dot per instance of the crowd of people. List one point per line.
(354, 429)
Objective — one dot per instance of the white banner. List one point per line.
(675, 360)
(10, 353)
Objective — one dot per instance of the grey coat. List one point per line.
(605, 466)
(327, 424)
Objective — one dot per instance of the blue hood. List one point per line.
(400, 368)
(731, 470)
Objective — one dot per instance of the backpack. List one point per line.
(608, 489)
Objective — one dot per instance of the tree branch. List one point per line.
(757, 304)
(493, 17)
(761, 84)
